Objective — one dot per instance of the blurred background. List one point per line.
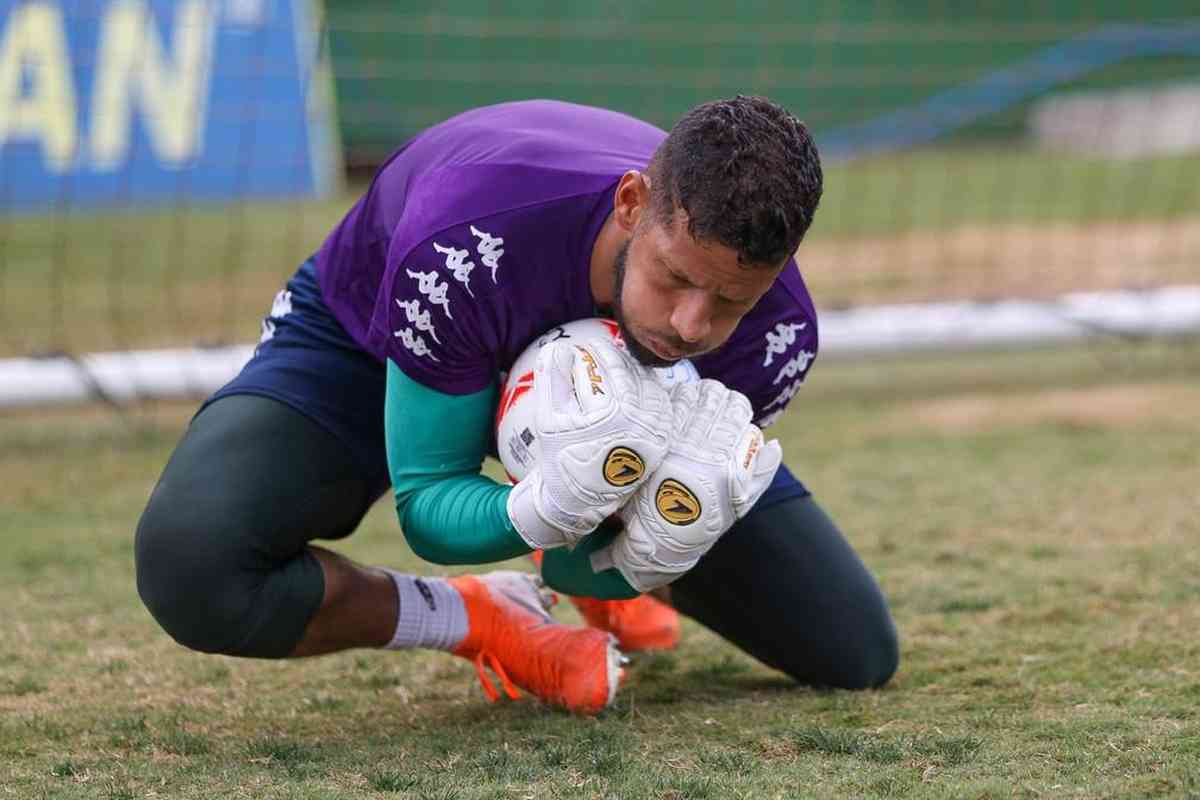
(164, 166)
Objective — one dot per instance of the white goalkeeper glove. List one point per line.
(601, 423)
(715, 471)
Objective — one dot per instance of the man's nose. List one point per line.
(692, 316)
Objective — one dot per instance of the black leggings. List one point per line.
(222, 561)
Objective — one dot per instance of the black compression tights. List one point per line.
(785, 586)
(222, 562)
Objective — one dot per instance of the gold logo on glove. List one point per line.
(752, 450)
(676, 503)
(593, 371)
(623, 466)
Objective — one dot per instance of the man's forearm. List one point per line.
(436, 443)
(460, 520)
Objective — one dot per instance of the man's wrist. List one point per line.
(529, 520)
(573, 571)
(640, 574)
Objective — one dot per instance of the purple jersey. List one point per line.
(476, 237)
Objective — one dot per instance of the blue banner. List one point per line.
(141, 102)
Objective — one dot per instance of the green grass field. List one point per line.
(1030, 222)
(1032, 516)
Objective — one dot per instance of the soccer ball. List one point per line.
(515, 429)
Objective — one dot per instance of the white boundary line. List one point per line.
(1172, 311)
(163, 374)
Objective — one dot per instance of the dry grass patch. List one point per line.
(1002, 260)
(1133, 405)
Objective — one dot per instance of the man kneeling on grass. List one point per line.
(379, 367)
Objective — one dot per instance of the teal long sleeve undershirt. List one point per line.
(451, 514)
(436, 443)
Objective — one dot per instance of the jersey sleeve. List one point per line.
(771, 351)
(439, 324)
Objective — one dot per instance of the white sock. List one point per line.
(432, 614)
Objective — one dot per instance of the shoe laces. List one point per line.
(486, 659)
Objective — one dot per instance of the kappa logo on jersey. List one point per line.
(418, 316)
(787, 394)
(433, 289)
(456, 262)
(676, 503)
(490, 248)
(796, 366)
(281, 306)
(415, 344)
(779, 340)
(623, 466)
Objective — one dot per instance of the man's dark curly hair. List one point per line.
(747, 174)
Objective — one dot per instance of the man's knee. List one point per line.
(861, 649)
(208, 583)
(189, 586)
(870, 657)
(221, 549)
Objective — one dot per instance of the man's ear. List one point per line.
(631, 201)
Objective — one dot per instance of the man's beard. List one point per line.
(643, 354)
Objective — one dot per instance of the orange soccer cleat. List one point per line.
(642, 623)
(510, 632)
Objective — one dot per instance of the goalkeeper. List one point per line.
(379, 368)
